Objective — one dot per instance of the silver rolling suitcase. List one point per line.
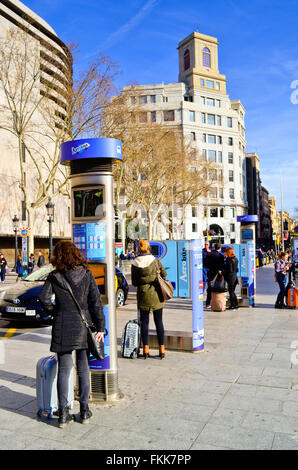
(46, 386)
(131, 339)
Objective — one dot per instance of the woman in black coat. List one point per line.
(230, 275)
(68, 331)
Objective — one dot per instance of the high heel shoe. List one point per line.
(146, 351)
(162, 352)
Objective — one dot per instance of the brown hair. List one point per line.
(281, 254)
(67, 256)
(230, 252)
(143, 247)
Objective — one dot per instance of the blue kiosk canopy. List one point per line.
(247, 218)
(90, 148)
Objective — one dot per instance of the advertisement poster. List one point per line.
(90, 238)
(197, 295)
(105, 364)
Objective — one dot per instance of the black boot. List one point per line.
(64, 417)
(85, 414)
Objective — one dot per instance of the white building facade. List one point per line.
(214, 126)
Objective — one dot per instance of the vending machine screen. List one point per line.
(88, 202)
(90, 238)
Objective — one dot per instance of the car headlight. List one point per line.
(16, 301)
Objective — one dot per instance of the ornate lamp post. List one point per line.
(50, 211)
(15, 223)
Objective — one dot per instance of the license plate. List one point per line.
(15, 309)
(30, 313)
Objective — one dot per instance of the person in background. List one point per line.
(144, 277)
(19, 268)
(215, 265)
(40, 261)
(31, 262)
(281, 268)
(206, 250)
(260, 257)
(3, 264)
(230, 275)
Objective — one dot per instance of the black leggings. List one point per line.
(233, 296)
(157, 315)
(65, 365)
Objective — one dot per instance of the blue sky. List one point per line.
(258, 53)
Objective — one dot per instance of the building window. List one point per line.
(232, 212)
(206, 57)
(231, 175)
(186, 59)
(230, 157)
(211, 119)
(218, 120)
(213, 212)
(153, 99)
(143, 99)
(210, 102)
(192, 136)
(169, 115)
(202, 82)
(192, 116)
(219, 156)
(204, 138)
(153, 116)
(203, 118)
(232, 193)
(230, 122)
(209, 83)
(219, 139)
(203, 101)
(194, 228)
(211, 139)
(143, 117)
(221, 196)
(188, 98)
(230, 140)
(133, 99)
(232, 227)
(218, 103)
(165, 99)
(217, 85)
(212, 155)
(204, 153)
(221, 211)
(194, 211)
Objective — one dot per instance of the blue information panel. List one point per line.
(105, 363)
(183, 269)
(197, 295)
(90, 238)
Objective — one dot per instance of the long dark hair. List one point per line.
(67, 256)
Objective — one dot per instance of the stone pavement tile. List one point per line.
(271, 422)
(9, 398)
(288, 372)
(198, 446)
(228, 417)
(178, 436)
(266, 381)
(245, 403)
(290, 408)
(266, 347)
(285, 442)
(235, 437)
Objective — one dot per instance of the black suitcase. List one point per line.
(131, 339)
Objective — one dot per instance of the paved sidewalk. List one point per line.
(240, 393)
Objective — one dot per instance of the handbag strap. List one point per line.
(157, 267)
(76, 302)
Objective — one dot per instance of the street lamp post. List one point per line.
(15, 223)
(50, 211)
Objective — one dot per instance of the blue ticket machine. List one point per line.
(92, 216)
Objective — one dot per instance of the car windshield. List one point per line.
(40, 274)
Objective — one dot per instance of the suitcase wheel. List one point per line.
(50, 415)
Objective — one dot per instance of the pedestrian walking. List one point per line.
(41, 260)
(144, 277)
(69, 332)
(215, 265)
(230, 275)
(31, 263)
(260, 257)
(281, 268)
(3, 264)
(19, 268)
(206, 250)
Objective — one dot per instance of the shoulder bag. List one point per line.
(166, 287)
(218, 284)
(95, 348)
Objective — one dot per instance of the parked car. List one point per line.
(20, 301)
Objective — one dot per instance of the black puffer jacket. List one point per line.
(69, 332)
